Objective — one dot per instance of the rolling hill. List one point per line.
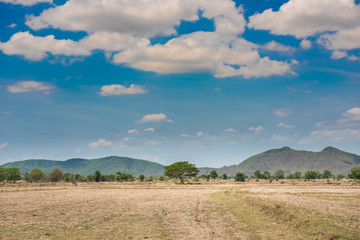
(106, 165)
(290, 160)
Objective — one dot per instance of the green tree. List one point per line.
(327, 174)
(141, 177)
(355, 172)
(224, 176)
(161, 178)
(257, 174)
(297, 175)
(240, 177)
(2, 174)
(56, 175)
(13, 174)
(279, 174)
(118, 177)
(311, 174)
(214, 174)
(36, 174)
(97, 176)
(265, 175)
(181, 170)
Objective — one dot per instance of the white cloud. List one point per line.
(185, 135)
(320, 124)
(353, 58)
(156, 117)
(283, 125)
(4, 145)
(305, 44)
(350, 115)
(100, 143)
(200, 134)
(29, 86)
(303, 18)
(230, 130)
(37, 48)
(257, 130)
(125, 26)
(12, 25)
(117, 89)
(338, 134)
(275, 46)
(345, 39)
(26, 2)
(149, 130)
(283, 112)
(133, 131)
(337, 54)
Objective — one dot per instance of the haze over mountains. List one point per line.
(285, 158)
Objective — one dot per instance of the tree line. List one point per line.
(178, 170)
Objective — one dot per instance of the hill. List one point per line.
(290, 160)
(106, 165)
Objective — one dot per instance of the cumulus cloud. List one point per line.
(283, 112)
(124, 28)
(37, 48)
(275, 46)
(337, 54)
(12, 25)
(100, 143)
(156, 117)
(133, 131)
(4, 145)
(303, 18)
(117, 89)
(344, 39)
(283, 125)
(26, 2)
(230, 130)
(149, 130)
(350, 115)
(29, 86)
(257, 130)
(305, 44)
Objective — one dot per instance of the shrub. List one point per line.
(355, 173)
(56, 175)
(240, 177)
(141, 177)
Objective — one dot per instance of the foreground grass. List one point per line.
(264, 219)
(170, 211)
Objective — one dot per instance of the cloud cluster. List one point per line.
(257, 130)
(155, 117)
(117, 89)
(26, 2)
(100, 143)
(125, 28)
(3, 145)
(28, 86)
(337, 20)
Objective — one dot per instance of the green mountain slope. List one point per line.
(291, 160)
(106, 165)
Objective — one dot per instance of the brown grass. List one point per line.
(220, 210)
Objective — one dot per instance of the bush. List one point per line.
(36, 174)
(13, 174)
(141, 177)
(97, 176)
(240, 177)
(56, 175)
(355, 173)
(161, 178)
(224, 176)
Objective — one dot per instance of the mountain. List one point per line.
(106, 165)
(290, 160)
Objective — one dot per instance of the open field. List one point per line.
(221, 210)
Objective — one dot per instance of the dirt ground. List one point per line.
(220, 210)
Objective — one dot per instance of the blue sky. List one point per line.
(211, 82)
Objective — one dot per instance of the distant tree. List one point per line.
(56, 175)
(117, 177)
(91, 178)
(141, 177)
(311, 174)
(224, 176)
(36, 174)
(327, 174)
(339, 176)
(214, 174)
(161, 178)
(181, 170)
(240, 177)
(355, 172)
(2, 174)
(266, 175)
(290, 176)
(297, 175)
(257, 174)
(97, 176)
(279, 174)
(13, 174)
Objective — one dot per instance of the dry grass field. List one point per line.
(220, 210)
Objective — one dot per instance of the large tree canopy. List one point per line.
(181, 170)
